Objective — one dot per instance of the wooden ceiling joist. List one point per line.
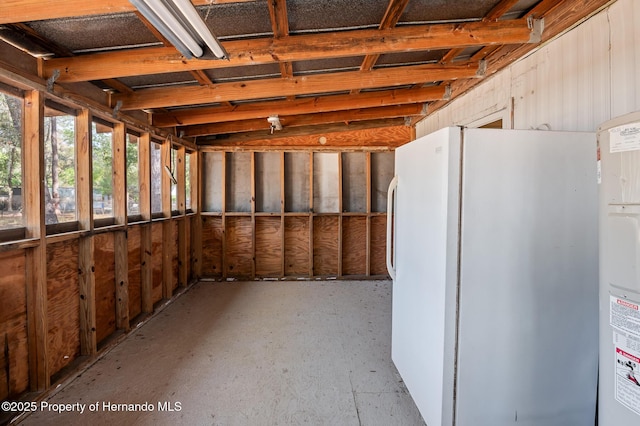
(314, 105)
(293, 48)
(290, 121)
(382, 134)
(306, 85)
(36, 10)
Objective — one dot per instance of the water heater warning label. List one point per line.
(624, 138)
(628, 379)
(625, 319)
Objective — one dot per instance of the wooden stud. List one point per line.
(253, 214)
(311, 208)
(196, 202)
(183, 255)
(368, 210)
(120, 215)
(340, 210)
(87, 287)
(282, 216)
(36, 266)
(167, 237)
(84, 184)
(224, 213)
(144, 167)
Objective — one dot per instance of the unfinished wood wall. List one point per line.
(277, 214)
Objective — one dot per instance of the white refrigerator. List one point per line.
(619, 178)
(494, 260)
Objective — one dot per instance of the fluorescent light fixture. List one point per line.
(180, 23)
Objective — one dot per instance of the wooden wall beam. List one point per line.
(36, 261)
(120, 238)
(156, 60)
(146, 285)
(183, 255)
(305, 85)
(84, 183)
(87, 287)
(167, 228)
(313, 105)
(306, 120)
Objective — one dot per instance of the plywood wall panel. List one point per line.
(187, 239)
(105, 277)
(63, 306)
(212, 237)
(268, 247)
(134, 235)
(378, 245)
(325, 245)
(14, 364)
(296, 246)
(239, 247)
(156, 262)
(354, 245)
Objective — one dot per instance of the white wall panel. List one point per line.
(575, 83)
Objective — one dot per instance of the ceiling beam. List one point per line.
(289, 121)
(292, 48)
(36, 10)
(500, 9)
(305, 85)
(383, 134)
(315, 105)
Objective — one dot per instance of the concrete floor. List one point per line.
(251, 353)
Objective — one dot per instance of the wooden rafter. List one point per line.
(289, 121)
(293, 48)
(36, 10)
(500, 9)
(307, 85)
(311, 105)
(390, 19)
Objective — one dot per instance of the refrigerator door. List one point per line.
(619, 392)
(426, 227)
(528, 279)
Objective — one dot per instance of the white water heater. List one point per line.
(619, 183)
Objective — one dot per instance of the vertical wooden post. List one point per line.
(368, 209)
(340, 208)
(183, 256)
(224, 214)
(311, 208)
(144, 167)
(86, 269)
(36, 271)
(167, 234)
(120, 237)
(196, 201)
(253, 214)
(282, 217)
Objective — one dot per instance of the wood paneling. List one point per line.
(212, 239)
(239, 247)
(135, 277)
(378, 245)
(268, 247)
(62, 304)
(175, 254)
(325, 245)
(105, 286)
(296, 246)
(354, 245)
(14, 353)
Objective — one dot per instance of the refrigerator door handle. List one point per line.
(393, 185)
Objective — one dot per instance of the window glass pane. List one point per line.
(59, 167)
(102, 157)
(156, 178)
(10, 161)
(133, 175)
(174, 183)
(187, 179)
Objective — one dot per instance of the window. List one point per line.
(156, 178)
(133, 175)
(60, 164)
(11, 117)
(102, 175)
